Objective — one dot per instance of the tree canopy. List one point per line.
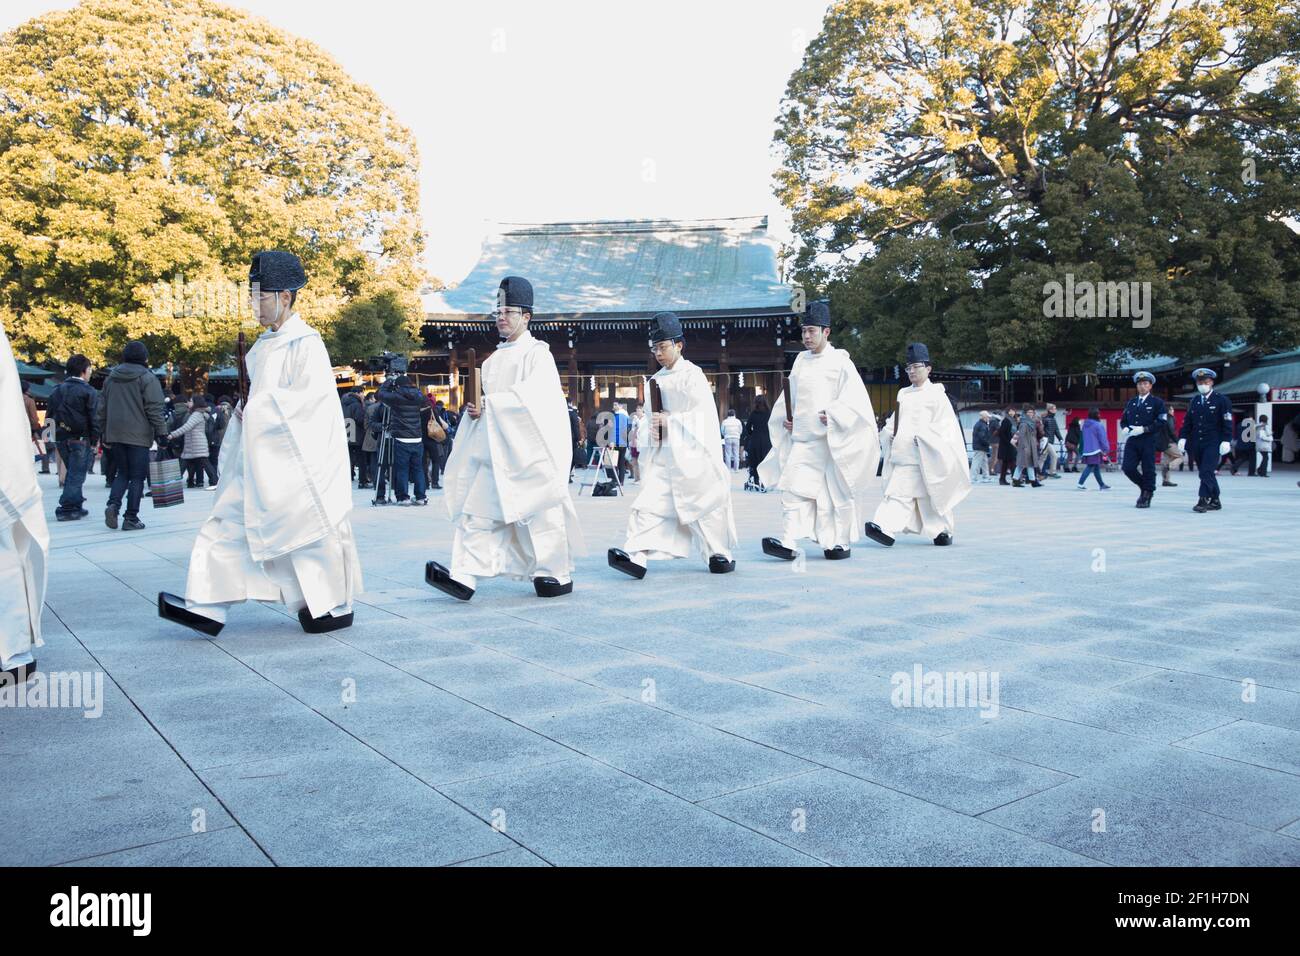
(944, 161)
(146, 142)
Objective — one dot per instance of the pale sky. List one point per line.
(620, 109)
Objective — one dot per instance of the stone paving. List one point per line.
(1147, 705)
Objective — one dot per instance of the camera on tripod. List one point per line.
(390, 363)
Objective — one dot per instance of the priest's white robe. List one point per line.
(685, 495)
(24, 536)
(280, 530)
(926, 474)
(822, 471)
(507, 479)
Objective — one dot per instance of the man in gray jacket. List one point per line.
(130, 418)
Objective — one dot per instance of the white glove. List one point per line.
(1223, 447)
(1182, 444)
(1136, 430)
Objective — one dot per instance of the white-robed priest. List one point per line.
(24, 536)
(507, 480)
(685, 497)
(824, 450)
(926, 474)
(279, 530)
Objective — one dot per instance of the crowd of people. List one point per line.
(280, 531)
(1028, 445)
(121, 427)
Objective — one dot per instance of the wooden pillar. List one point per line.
(724, 384)
(574, 386)
(453, 371)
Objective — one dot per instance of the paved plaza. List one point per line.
(1142, 671)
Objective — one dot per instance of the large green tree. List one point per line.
(945, 161)
(148, 142)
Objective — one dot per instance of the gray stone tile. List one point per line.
(1218, 697)
(584, 813)
(850, 822)
(1268, 799)
(1107, 709)
(701, 696)
(226, 847)
(99, 800)
(1252, 743)
(1046, 742)
(349, 807)
(670, 752)
(756, 674)
(1141, 830)
(516, 857)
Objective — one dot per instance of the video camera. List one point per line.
(390, 363)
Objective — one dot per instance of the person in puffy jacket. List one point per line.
(195, 452)
(406, 405)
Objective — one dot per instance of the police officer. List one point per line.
(1208, 429)
(1145, 416)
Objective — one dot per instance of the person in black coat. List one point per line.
(754, 438)
(354, 410)
(1006, 450)
(405, 404)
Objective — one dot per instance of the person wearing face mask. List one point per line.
(279, 530)
(825, 457)
(685, 497)
(925, 472)
(1206, 436)
(506, 482)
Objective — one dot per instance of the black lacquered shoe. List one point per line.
(720, 565)
(435, 575)
(620, 561)
(836, 553)
(773, 547)
(17, 676)
(551, 587)
(172, 608)
(943, 539)
(875, 534)
(324, 623)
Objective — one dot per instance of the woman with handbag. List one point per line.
(434, 434)
(194, 453)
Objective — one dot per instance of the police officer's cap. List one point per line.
(1204, 373)
(1147, 376)
(917, 352)
(277, 271)
(515, 292)
(665, 326)
(819, 313)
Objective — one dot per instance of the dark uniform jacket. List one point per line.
(1208, 422)
(1152, 414)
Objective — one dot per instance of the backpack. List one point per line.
(210, 427)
